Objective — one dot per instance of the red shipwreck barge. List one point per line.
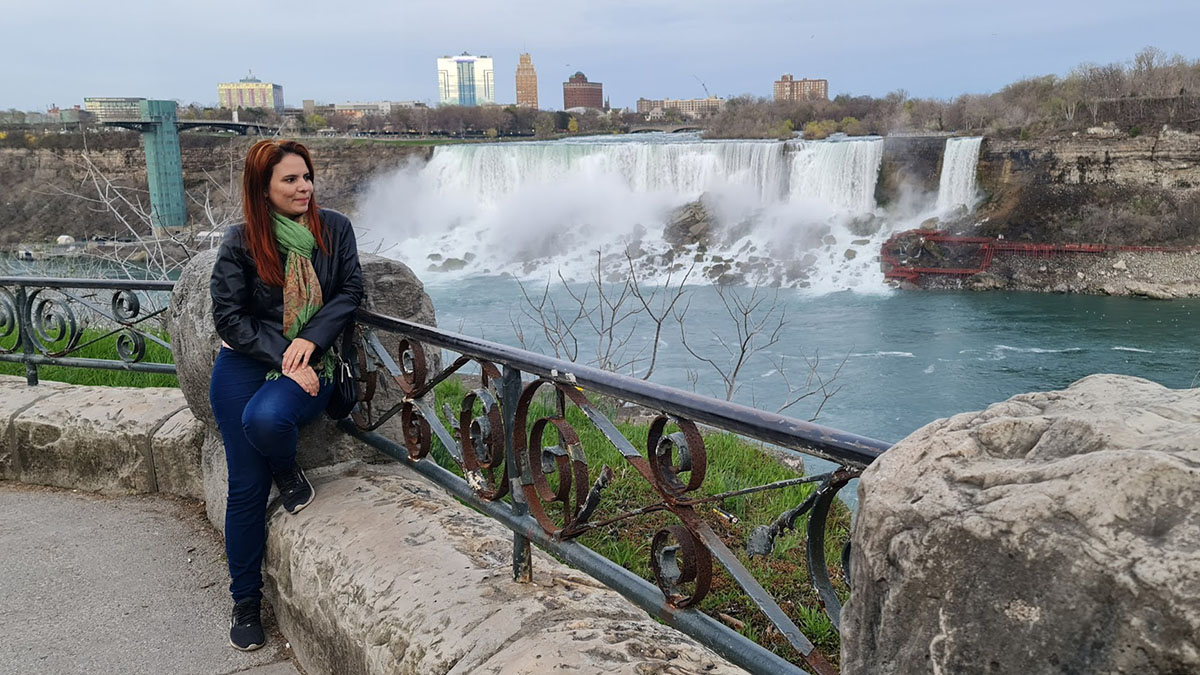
(910, 256)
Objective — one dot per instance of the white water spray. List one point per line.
(536, 208)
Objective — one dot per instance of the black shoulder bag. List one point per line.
(345, 377)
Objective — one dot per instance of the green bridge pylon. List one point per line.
(164, 164)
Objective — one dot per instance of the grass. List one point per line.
(733, 463)
(99, 348)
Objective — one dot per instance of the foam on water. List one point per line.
(1037, 350)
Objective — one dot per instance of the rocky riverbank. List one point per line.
(1161, 276)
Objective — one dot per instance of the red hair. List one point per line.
(259, 232)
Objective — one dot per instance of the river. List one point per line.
(909, 357)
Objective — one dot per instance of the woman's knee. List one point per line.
(268, 430)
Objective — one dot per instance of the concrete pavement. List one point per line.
(120, 585)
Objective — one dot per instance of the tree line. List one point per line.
(452, 120)
(1150, 90)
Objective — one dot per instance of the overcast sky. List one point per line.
(370, 50)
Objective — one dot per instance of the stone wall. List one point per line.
(385, 574)
(382, 574)
(111, 440)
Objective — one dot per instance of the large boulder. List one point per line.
(689, 224)
(1052, 533)
(391, 289)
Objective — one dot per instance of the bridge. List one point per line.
(664, 128)
(157, 124)
(243, 128)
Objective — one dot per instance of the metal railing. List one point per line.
(507, 471)
(43, 321)
(546, 494)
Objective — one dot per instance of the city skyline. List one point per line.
(930, 48)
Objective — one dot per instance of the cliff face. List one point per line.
(53, 192)
(910, 163)
(1143, 190)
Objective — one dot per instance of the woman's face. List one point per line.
(291, 186)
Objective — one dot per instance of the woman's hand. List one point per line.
(297, 355)
(306, 377)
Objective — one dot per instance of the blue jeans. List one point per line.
(260, 421)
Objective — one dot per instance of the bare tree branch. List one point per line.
(758, 325)
(823, 385)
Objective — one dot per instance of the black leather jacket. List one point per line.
(249, 313)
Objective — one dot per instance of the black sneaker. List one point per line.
(245, 627)
(294, 489)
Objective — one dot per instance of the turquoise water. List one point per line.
(909, 357)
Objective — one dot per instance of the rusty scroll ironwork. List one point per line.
(564, 495)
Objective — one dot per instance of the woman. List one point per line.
(285, 285)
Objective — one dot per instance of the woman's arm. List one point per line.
(329, 322)
(231, 297)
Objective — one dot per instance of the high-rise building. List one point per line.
(526, 83)
(250, 92)
(466, 80)
(107, 108)
(788, 88)
(579, 93)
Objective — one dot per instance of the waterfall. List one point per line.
(957, 185)
(841, 174)
(534, 208)
(493, 172)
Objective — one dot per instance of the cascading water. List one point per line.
(542, 207)
(957, 185)
(841, 174)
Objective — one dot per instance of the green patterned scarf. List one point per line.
(301, 288)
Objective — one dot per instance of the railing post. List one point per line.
(510, 394)
(25, 329)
